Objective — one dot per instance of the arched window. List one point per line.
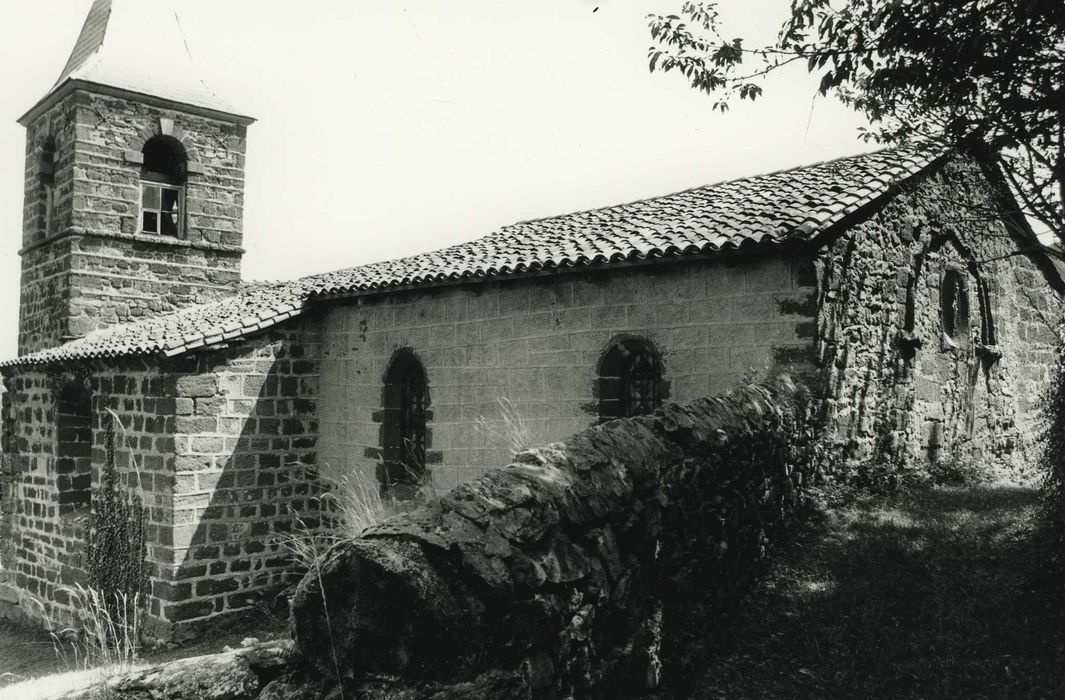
(954, 305)
(630, 379)
(73, 447)
(403, 428)
(163, 186)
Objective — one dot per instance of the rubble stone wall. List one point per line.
(42, 542)
(899, 389)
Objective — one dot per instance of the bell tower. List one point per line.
(134, 187)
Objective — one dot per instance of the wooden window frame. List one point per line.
(162, 185)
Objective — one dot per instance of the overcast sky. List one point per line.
(388, 128)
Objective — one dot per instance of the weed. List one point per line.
(353, 505)
(510, 430)
(107, 632)
(921, 593)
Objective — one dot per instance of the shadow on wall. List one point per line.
(249, 467)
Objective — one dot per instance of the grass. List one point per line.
(107, 634)
(349, 508)
(511, 430)
(934, 593)
(104, 642)
(29, 668)
(353, 505)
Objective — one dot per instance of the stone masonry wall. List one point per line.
(42, 543)
(85, 264)
(899, 390)
(221, 446)
(246, 462)
(538, 343)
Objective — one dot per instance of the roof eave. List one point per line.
(71, 84)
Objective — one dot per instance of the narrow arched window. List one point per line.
(403, 429)
(954, 305)
(73, 447)
(163, 186)
(630, 379)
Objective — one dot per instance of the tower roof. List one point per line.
(135, 46)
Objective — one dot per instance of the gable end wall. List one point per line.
(899, 390)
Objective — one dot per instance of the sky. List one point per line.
(389, 128)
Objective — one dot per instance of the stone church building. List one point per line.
(923, 324)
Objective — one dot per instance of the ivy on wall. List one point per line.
(116, 547)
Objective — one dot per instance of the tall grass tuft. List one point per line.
(352, 506)
(106, 634)
(510, 430)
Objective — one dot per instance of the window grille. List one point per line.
(405, 419)
(630, 380)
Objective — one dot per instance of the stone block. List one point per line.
(196, 386)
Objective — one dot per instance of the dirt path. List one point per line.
(24, 653)
(29, 660)
(928, 595)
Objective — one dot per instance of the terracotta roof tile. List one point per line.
(786, 206)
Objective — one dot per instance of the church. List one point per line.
(925, 332)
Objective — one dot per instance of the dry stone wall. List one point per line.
(547, 577)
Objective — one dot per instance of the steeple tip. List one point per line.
(137, 46)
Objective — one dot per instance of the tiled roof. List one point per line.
(765, 210)
(138, 46)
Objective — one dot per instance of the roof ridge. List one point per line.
(792, 209)
(717, 183)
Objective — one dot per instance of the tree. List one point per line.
(986, 73)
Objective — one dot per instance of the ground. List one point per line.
(30, 666)
(931, 593)
(934, 593)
